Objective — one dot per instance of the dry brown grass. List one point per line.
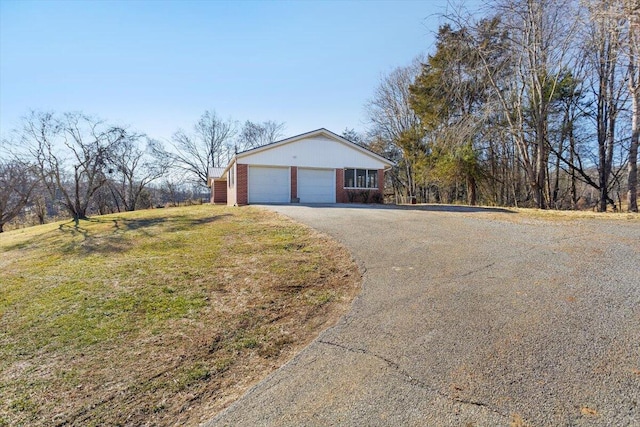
(575, 215)
(160, 317)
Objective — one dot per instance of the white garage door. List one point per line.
(269, 185)
(316, 185)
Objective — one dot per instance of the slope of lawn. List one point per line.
(158, 317)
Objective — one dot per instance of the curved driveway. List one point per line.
(468, 317)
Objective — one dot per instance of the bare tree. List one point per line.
(132, 169)
(258, 134)
(17, 181)
(540, 39)
(632, 12)
(71, 154)
(602, 50)
(206, 146)
(395, 128)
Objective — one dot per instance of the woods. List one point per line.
(527, 104)
(534, 105)
(74, 165)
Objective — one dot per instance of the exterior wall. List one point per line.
(232, 193)
(294, 183)
(314, 152)
(238, 194)
(219, 192)
(242, 194)
(341, 194)
(381, 183)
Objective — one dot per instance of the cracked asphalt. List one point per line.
(467, 317)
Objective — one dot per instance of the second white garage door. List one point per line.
(269, 185)
(316, 185)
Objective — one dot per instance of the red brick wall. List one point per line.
(381, 182)
(219, 192)
(294, 182)
(341, 194)
(242, 193)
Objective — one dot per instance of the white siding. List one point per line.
(317, 185)
(232, 188)
(316, 152)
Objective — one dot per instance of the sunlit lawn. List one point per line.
(158, 317)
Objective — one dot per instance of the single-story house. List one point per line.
(315, 167)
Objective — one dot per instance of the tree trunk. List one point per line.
(632, 194)
(472, 194)
(602, 175)
(541, 171)
(634, 88)
(574, 193)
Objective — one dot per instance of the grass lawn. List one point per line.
(158, 317)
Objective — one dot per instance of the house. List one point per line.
(315, 167)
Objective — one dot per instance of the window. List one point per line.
(372, 179)
(360, 178)
(349, 178)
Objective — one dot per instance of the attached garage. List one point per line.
(316, 185)
(269, 185)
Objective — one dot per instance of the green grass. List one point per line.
(125, 318)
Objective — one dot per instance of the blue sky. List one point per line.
(156, 66)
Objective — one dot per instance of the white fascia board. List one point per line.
(231, 162)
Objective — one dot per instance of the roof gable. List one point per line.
(318, 148)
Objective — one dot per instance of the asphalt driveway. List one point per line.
(468, 317)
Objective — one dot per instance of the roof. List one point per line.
(214, 173)
(311, 134)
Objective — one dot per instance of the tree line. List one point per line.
(71, 164)
(534, 104)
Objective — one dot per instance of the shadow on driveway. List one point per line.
(421, 207)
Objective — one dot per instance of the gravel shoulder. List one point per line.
(468, 317)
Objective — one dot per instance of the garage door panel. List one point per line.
(316, 185)
(269, 185)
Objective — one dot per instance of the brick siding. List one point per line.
(242, 194)
(381, 183)
(341, 194)
(294, 182)
(219, 192)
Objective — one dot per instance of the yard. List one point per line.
(158, 317)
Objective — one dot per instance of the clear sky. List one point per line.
(156, 66)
